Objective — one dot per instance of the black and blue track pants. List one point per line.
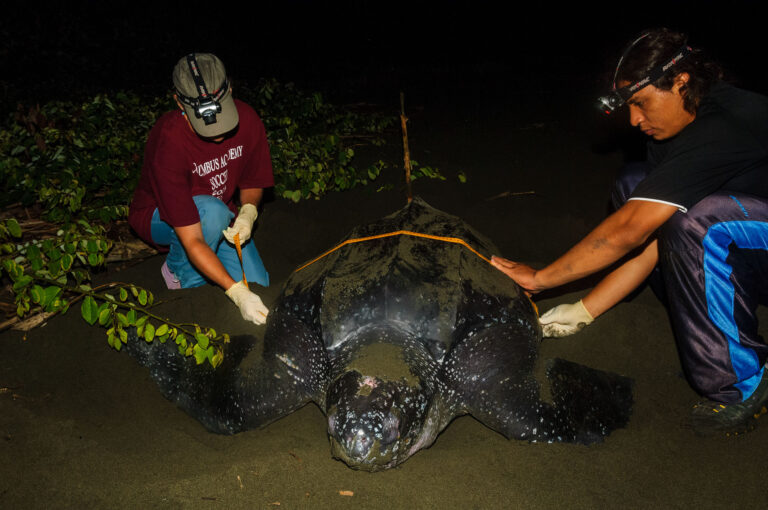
(713, 267)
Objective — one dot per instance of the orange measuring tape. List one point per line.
(240, 256)
(454, 240)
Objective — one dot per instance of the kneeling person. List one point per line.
(195, 159)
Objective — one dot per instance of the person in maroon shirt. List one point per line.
(195, 160)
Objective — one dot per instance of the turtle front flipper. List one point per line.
(491, 374)
(251, 388)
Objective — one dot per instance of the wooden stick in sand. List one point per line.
(406, 152)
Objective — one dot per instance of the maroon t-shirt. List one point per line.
(178, 165)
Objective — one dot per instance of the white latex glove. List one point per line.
(249, 303)
(564, 320)
(243, 224)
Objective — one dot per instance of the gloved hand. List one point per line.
(243, 224)
(564, 320)
(249, 303)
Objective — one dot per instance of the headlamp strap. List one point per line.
(204, 96)
(655, 73)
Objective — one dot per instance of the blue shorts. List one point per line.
(215, 217)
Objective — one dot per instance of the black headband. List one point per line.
(201, 88)
(655, 73)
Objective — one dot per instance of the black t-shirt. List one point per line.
(724, 148)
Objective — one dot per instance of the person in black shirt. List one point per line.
(693, 217)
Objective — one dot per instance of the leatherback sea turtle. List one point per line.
(392, 338)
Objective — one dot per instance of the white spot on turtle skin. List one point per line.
(369, 381)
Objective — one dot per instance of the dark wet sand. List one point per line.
(82, 426)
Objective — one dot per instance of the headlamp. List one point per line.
(610, 102)
(207, 110)
(205, 106)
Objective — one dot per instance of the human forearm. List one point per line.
(251, 196)
(205, 260)
(202, 256)
(617, 235)
(621, 281)
(601, 248)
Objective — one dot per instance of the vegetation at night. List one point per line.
(68, 171)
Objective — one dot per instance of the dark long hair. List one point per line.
(660, 45)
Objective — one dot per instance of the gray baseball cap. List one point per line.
(200, 108)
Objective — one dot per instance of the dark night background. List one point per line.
(437, 53)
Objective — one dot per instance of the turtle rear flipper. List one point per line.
(491, 375)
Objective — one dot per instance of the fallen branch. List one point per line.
(510, 194)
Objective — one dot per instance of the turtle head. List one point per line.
(378, 406)
(373, 422)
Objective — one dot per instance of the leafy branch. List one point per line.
(50, 275)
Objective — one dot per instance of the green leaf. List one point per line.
(22, 282)
(89, 310)
(200, 354)
(131, 316)
(149, 332)
(142, 320)
(123, 335)
(162, 330)
(462, 177)
(13, 227)
(216, 359)
(36, 264)
(37, 294)
(122, 320)
(123, 294)
(104, 316)
(93, 259)
(49, 295)
(202, 340)
(33, 252)
(143, 297)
